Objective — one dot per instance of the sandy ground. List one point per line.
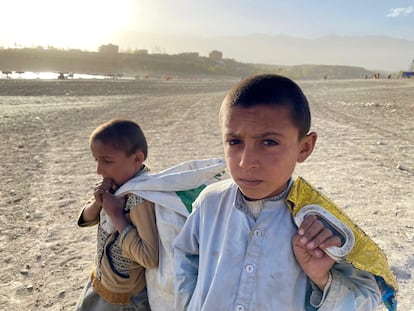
(363, 160)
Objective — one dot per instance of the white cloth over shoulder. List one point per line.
(172, 191)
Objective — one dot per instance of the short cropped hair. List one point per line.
(122, 134)
(270, 90)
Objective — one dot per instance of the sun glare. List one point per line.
(82, 24)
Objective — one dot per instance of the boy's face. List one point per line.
(115, 164)
(261, 147)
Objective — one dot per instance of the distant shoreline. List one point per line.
(182, 65)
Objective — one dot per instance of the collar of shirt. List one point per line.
(253, 207)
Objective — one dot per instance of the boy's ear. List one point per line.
(307, 144)
(139, 157)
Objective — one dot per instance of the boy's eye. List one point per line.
(233, 141)
(104, 161)
(270, 142)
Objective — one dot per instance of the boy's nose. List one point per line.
(248, 158)
(99, 169)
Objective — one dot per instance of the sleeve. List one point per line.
(350, 290)
(186, 259)
(81, 222)
(139, 242)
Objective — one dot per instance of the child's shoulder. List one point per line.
(217, 189)
(133, 200)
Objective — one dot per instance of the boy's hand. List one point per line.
(312, 237)
(114, 207)
(106, 185)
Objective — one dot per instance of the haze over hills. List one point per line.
(371, 52)
(332, 56)
(110, 62)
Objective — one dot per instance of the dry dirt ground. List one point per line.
(363, 160)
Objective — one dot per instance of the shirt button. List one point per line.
(240, 308)
(249, 268)
(257, 232)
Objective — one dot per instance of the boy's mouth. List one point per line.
(249, 182)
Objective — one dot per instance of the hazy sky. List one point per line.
(86, 24)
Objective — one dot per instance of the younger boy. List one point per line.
(240, 249)
(127, 241)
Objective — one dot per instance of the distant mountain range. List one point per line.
(377, 53)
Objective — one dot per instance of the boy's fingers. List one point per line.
(306, 224)
(318, 253)
(106, 185)
(323, 239)
(310, 228)
(331, 241)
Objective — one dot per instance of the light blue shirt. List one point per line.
(225, 260)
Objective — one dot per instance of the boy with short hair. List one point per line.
(138, 213)
(240, 248)
(127, 241)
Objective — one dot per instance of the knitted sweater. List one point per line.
(121, 258)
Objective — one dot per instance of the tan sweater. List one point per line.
(121, 259)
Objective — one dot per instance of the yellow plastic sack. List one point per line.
(365, 255)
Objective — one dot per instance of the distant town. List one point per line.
(109, 61)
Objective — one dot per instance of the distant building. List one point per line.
(109, 49)
(141, 52)
(189, 54)
(215, 55)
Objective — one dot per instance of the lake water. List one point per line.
(29, 75)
